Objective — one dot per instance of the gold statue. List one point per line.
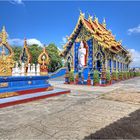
(6, 60)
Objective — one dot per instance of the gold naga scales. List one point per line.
(6, 60)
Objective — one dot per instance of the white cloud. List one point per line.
(64, 41)
(16, 2)
(16, 42)
(134, 30)
(135, 58)
(20, 42)
(34, 41)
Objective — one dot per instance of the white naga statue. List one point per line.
(29, 69)
(38, 69)
(17, 70)
(81, 54)
(22, 69)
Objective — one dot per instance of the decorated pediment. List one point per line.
(83, 35)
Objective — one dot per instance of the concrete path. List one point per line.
(82, 114)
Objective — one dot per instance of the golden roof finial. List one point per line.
(3, 29)
(82, 14)
(104, 23)
(120, 41)
(90, 17)
(95, 19)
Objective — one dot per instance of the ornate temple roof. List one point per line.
(101, 34)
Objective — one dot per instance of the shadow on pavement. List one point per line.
(125, 128)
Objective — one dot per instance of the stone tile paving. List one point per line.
(72, 116)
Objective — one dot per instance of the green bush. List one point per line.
(96, 77)
(136, 73)
(120, 75)
(71, 76)
(125, 75)
(115, 75)
(128, 74)
(108, 77)
(131, 74)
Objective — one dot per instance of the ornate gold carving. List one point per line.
(6, 61)
(3, 85)
(44, 61)
(44, 57)
(8, 94)
(83, 35)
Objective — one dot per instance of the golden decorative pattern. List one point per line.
(45, 60)
(2, 85)
(6, 61)
(8, 94)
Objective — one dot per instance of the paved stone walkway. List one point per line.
(77, 115)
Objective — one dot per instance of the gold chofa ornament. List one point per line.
(6, 55)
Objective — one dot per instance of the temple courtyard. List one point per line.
(86, 113)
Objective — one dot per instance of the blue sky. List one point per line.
(45, 22)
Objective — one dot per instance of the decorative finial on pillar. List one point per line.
(104, 23)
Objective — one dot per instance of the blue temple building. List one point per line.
(101, 49)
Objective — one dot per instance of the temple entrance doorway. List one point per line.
(99, 65)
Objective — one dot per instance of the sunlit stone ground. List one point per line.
(86, 113)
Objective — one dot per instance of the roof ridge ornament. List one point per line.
(96, 19)
(120, 41)
(104, 23)
(90, 17)
(82, 14)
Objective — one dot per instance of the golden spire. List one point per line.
(25, 51)
(25, 43)
(104, 23)
(3, 35)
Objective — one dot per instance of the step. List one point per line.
(10, 101)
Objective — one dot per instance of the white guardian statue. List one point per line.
(81, 54)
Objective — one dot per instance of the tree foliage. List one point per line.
(35, 51)
(17, 52)
(55, 59)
